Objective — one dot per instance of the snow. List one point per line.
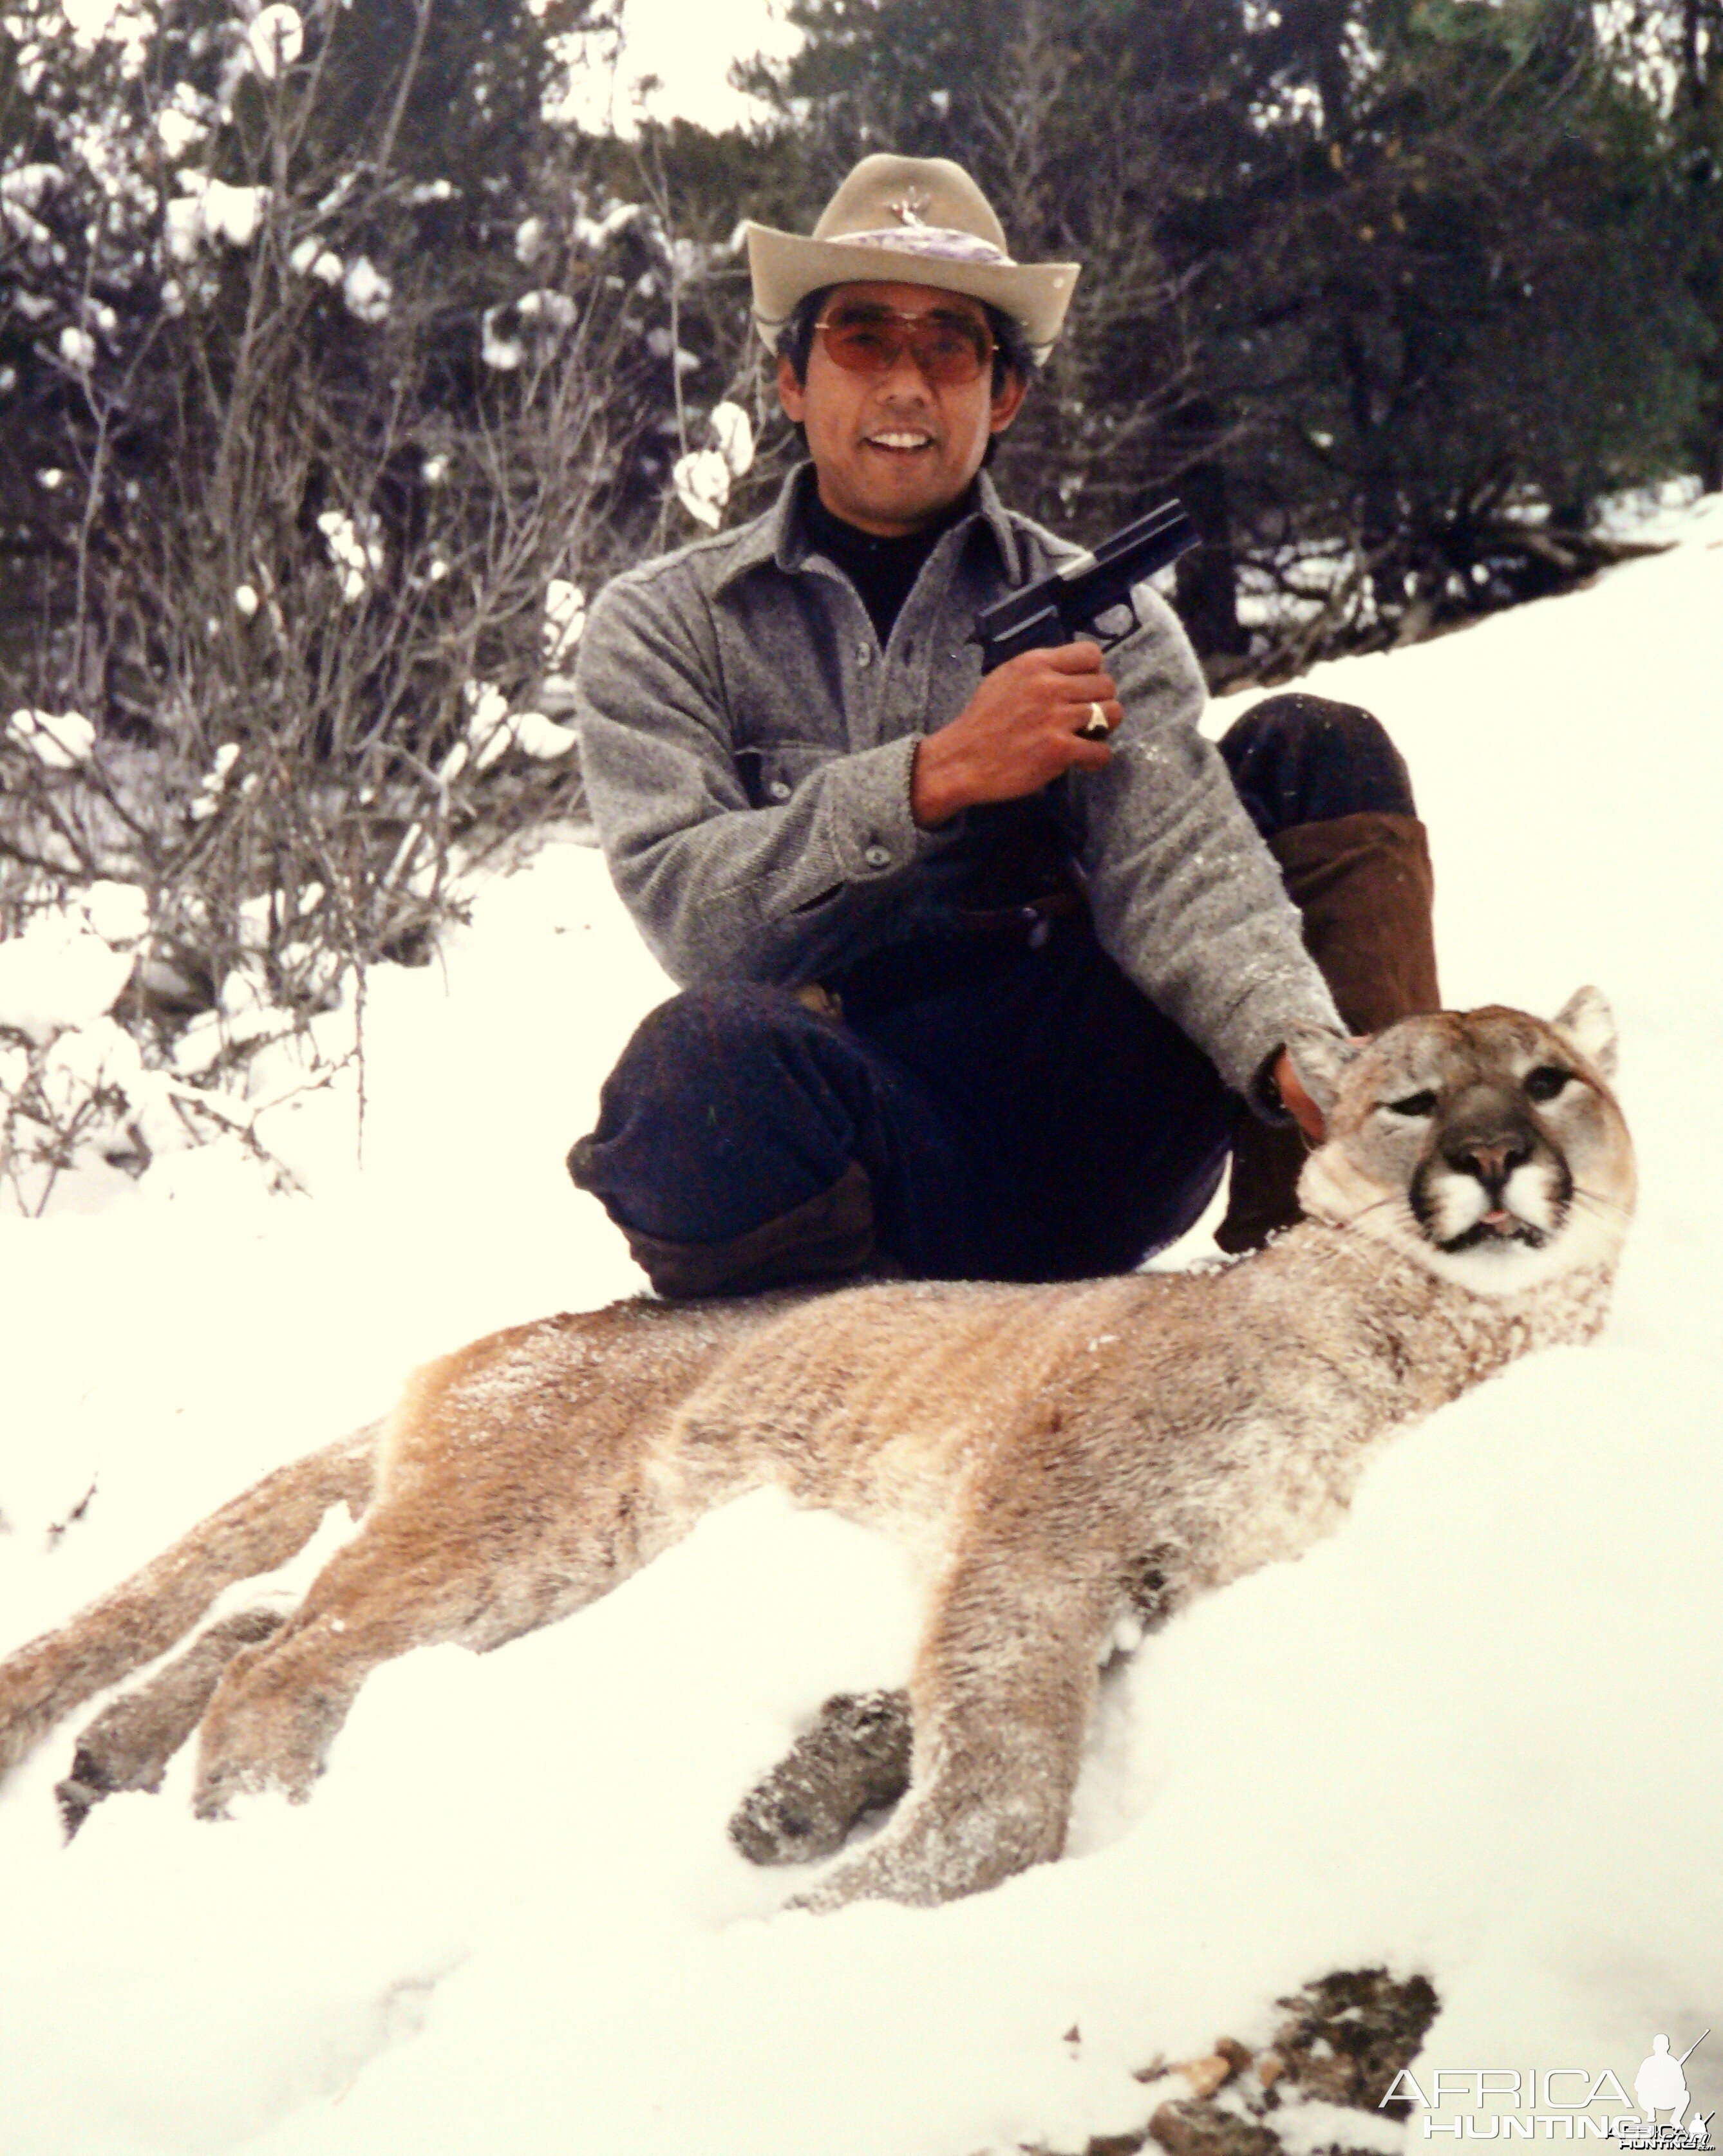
(539, 736)
(77, 347)
(310, 258)
(732, 430)
(492, 730)
(276, 39)
(58, 740)
(702, 480)
(353, 545)
(180, 132)
(504, 353)
(564, 619)
(1473, 1734)
(209, 209)
(555, 309)
(67, 965)
(365, 289)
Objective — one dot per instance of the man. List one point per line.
(983, 977)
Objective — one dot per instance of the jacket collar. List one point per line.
(780, 536)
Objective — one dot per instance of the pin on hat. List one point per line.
(908, 221)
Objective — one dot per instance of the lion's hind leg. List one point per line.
(46, 1680)
(128, 1744)
(476, 1559)
(517, 1484)
(279, 1704)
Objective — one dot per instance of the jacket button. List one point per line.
(779, 789)
(864, 654)
(877, 857)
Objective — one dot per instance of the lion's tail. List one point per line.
(273, 1521)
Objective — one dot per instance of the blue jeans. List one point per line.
(984, 1107)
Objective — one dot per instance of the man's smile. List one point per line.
(899, 441)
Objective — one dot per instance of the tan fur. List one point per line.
(1060, 1457)
(271, 1522)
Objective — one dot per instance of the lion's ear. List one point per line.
(1587, 1020)
(1320, 1059)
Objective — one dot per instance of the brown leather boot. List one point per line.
(1364, 885)
(829, 1236)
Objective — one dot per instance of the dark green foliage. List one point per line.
(1393, 291)
(1405, 285)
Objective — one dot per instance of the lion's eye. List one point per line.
(1414, 1104)
(1546, 1082)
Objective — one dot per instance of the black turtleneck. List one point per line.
(883, 571)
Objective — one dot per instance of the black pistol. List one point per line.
(1069, 604)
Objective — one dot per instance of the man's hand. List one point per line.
(1297, 1102)
(1017, 731)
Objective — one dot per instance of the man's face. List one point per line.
(893, 450)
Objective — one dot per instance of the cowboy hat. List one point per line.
(908, 221)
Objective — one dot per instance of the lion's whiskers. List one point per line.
(1598, 1202)
(1393, 1197)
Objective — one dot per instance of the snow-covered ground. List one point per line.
(1475, 1733)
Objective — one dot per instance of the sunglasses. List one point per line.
(947, 350)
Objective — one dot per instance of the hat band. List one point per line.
(939, 240)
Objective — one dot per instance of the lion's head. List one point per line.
(1485, 1143)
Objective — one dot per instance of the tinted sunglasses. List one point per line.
(947, 350)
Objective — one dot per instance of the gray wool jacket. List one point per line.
(747, 750)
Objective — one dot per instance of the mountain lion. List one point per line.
(1062, 1459)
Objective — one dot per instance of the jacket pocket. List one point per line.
(772, 770)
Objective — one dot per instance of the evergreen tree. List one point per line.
(1391, 289)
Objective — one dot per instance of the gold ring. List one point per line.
(1094, 727)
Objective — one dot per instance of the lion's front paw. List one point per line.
(945, 1842)
(855, 1756)
(915, 1867)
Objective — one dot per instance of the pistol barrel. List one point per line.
(1058, 608)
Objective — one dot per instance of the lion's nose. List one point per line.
(1492, 1159)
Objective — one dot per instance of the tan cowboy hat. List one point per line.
(908, 221)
